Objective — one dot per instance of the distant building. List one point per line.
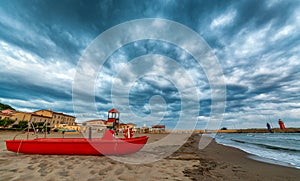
(5, 114)
(7, 111)
(45, 116)
(158, 128)
(56, 117)
(99, 122)
(131, 125)
(123, 126)
(144, 130)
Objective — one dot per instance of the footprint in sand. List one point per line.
(31, 167)
(93, 172)
(4, 161)
(92, 179)
(23, 178)
(112, 162)
(223, 166)
(105, 170)
(130, 167)
(51, 179)
(100, 173)
(45, 171)
(63, 173)
(13, 170)
(70, 167)
(33, 160)
(150, 165)
(43, 165)
(127, 178)
(7, 177)
(119, 171)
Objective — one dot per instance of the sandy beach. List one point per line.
(215, 162)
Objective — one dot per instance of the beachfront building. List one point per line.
(5, 114)
(132, 126)
(67, 127)
(94, 127)
(56, 117)
(127, 125)
(158, 129)
(44, 116)
(35, 118)
(99, 122)
(122, 126)
(15, 116)
(144, 129)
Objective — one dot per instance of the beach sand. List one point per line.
(215, 162)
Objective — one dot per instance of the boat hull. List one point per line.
(77, 146)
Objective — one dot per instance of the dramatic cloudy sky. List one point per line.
(257, 44)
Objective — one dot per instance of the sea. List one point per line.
(275, 148)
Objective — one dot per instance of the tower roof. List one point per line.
(114, 110)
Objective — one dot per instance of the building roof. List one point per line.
(114, 110)
(95, 120)
(131, 124)
(60, 113)
(7, 111)
(159, 126)
(37, 115)
(50, 110)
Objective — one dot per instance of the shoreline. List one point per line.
(262, 159)
(244, 167)
(215, 162)
(275, 148)
(270, 161)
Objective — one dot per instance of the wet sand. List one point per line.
(215, 162)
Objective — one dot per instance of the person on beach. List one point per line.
(269, 128)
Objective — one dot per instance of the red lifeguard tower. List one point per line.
(113, 120)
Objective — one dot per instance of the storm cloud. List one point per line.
(256, 43)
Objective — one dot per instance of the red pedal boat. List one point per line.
(77, 146)
(108, 145)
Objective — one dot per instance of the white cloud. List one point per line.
(31, 69)
(284, 32)
(223, 20)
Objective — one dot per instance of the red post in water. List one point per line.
(281, 124)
